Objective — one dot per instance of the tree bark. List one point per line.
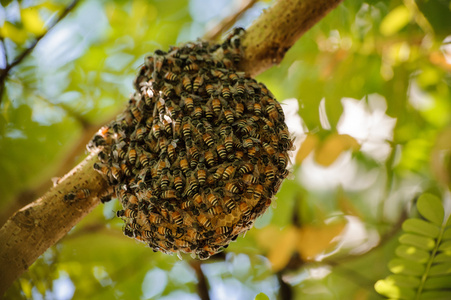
(39, 225)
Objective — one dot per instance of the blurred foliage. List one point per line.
(371, 83)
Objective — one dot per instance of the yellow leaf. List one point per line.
(307, 146)
(32, 21)
(395, 20)
(10, 31)
(282, 247)
(333, 146)
(314, 240)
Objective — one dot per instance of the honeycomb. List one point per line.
(199, 151)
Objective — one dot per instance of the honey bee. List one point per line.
(191, 67)
(225, 92)
(186, 130)
(184, 164)
(177, 218)
(229, 204)
(221, 149)
(188, 102)
(201, 174)
(133, 200)
(164, 231)
(240, 88)
(132, 154)
(172, 151)
(116, 172)
(258, 108)
(194, 153)
(197, 113)
(208, 139)
(216, 105)
(248, 143)
(210, 158)
(229, 171)
(215, 210)
(232, 188)
(222, 230)
(258, 191)
(127, 213)
(168, 91)
(186, 82)
(204, 221)
(197, 198)
(245, 209)
(219, 172)
(246, 168)
(178, 181)
(282, 161)
(167, 125)
(233, 77)
(198, 82)
(143, 160)
(239, 110)
(249, 179)
(229, 116)
(251, 152)
(269, 173)
(217, 74)
(170, 76)
(208, 112)
(126, 170)
(186, 205)
(156, 130)
(209, 89)
(193, 187)
(136, 114)
(78, 195)
(164, 181)
(161, 165)
(228, 143)
(211, 198)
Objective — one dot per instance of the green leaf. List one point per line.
(412, 253)
(431, 208)
(388, 288)
(440, 269)
(407, 267)
(404, 280)
(445, 246)
(437, 282)
(447, 233)
(436, 295)
(417, 241)
(395, 20)
(443, 257)
(421, 227)
(261, 296)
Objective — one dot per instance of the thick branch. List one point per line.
(39, 225)
(278, 28)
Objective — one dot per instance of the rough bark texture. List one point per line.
(278, 28)
(36, 227)
(39, 225)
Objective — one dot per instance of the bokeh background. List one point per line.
(367, 98)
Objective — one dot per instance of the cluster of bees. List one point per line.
(199, 151)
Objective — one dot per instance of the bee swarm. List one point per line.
(199, 152)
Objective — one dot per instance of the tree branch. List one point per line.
(26, 52)
(228, 22)
(39, 225)
(36, 227)
(278, 28)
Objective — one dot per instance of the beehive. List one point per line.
(199, 151)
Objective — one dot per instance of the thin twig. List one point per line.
(228, 22)
(202, 284)
(27, 51)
